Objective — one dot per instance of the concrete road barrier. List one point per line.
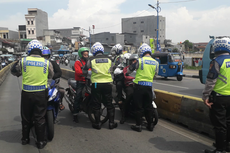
(185, 110)
(4, 72)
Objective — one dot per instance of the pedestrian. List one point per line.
(146, 67)
(216, 95)
(35, 71)
(101, 89)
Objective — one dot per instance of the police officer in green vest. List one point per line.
(146, 67)
(35, 71)
(101, 89)
(216, 94)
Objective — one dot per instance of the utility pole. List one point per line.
(158, 9)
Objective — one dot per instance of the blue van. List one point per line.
(207, 58)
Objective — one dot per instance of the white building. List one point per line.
(36, 22)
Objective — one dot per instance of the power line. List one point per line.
(124, 21)
(177, 2)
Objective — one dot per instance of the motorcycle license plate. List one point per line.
(179, 63)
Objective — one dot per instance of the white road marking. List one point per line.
(170, 85)
(186, 133)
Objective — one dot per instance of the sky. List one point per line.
(192, 20)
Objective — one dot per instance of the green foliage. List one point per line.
(188, 45)
(175, 50)
(192, 67)
(3, 49)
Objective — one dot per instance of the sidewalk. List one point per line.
(191, 73)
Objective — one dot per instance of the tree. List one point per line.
(188, 45)
(175, 50)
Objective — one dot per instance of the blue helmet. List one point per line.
(46, 51)
(97, 47)
(144, 48)
(34, 44)
(221, 45)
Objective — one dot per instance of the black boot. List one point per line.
(25, 134)
(137, 128)
(111, 113)
(220, 143)
(122, 121)
(149, 118)
(227, 147)
(97, 116)
(40, 132)
(75, 118)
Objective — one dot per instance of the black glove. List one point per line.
(126, 74)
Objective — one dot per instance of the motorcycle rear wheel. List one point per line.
(50, 125)
(155, 117)
(104, 115)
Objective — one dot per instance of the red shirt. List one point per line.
(78, 70)
(128, 79)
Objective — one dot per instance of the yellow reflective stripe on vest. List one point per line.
(35, 74)
(101, 70)
(222, 85)
(146, 71)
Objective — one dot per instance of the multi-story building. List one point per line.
(36, 22)
(108, 38)
(75, 33)
(146, 25)
(22, 31)
(5, 33)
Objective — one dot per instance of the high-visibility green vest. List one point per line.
(222, 85)
(35, 74)
(101, 69)
(146, 71)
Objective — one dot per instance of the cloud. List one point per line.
(181, 23)
(13, 21)
(81, 13)
(17, 1)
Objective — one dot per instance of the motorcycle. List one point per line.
(52, 107)
(66, 62)
(86, 102)
(131, 110)
(3, 65)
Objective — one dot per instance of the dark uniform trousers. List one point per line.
(220, 118)
(129, 90)
(102, 93)
(142, 99)
(33, 110)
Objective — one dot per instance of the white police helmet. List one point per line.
(144, 48)
(34, 44)
(97, 47)
(117, 49)
(221, 45)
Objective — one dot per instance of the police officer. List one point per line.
(101, 79)
(118, 78)
(146, 68)
(35, 71)
(216, 94)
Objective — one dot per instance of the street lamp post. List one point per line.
(158, 9)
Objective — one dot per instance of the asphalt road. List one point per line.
(188, 86)
(73, 137)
